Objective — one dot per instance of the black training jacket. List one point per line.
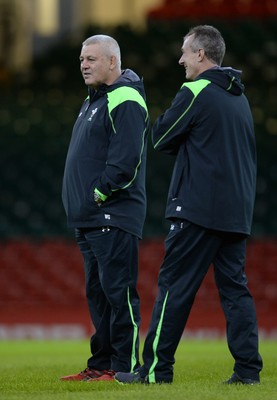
(209, 127)
(107, 152)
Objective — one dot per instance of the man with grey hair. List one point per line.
(209, 128)
(105, 202)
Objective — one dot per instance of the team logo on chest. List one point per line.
(93, 112)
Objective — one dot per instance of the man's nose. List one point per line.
(84, 64)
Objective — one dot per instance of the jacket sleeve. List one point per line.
(173, 127)
(129, 123)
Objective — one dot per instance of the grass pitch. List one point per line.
(31, 370)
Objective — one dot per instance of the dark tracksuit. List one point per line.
(107, 153)
(209, 129)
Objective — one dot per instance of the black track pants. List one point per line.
(111, 272)
(190, 250)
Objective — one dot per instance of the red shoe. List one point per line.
(106, 376)
(85, 375)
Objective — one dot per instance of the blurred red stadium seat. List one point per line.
(43, 281)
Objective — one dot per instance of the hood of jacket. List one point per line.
(225, 77)
(127, 75)
(127, 78)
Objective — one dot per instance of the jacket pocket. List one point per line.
(88, 174)
(178, 174)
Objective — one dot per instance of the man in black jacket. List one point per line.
(209, 128)
(105, 202)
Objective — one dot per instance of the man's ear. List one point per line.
(201, 55)
(112, 62)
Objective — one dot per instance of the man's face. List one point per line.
(189, 59)
(95, 65)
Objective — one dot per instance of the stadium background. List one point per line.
(41, 273)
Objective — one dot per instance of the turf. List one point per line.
(31, 370)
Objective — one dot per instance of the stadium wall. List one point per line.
(42, 290)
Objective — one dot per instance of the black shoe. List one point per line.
(130, 377)
(235, 379)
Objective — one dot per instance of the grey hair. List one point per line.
(210, 39)
(111, 47)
